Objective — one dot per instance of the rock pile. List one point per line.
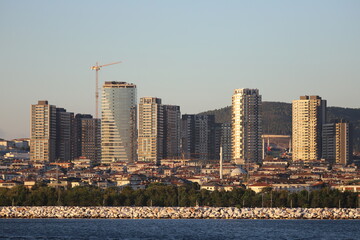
(179, 212)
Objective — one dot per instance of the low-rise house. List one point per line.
(117, 167)
(89, 173)
(258, 187)
(17, 155)
(102, 167)
(75, 173)
(9, 175)
(18, 164)
(351, 188)
(64, 165)
(291, 187)
(209, 170)
(277, 162)
(9, 184)
(29, 183)
(305, 176)
(104, 184)
(168, 171)
(211, 186)
(82, 163)
(132, 180)
(54, 174)
(39, 165)
(31, 172)
(60, 184)
(194, 180)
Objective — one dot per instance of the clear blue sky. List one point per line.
(189, 53)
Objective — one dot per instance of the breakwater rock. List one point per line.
(178, 212)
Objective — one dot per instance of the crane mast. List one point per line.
(97, 67)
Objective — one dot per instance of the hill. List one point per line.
(277, 118)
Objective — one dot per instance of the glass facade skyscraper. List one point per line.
(118, 123)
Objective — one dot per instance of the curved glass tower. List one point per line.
(118, 123)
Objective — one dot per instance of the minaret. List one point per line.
(221, 163)
(290, 150)
(263, 147)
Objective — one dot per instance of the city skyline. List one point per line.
(27, 135)
(201, 49)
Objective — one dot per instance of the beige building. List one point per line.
(336, 142)
(308, 116)
(151, 130)
(246, 126)
(43, 132)
(343, 152)
(118, 123)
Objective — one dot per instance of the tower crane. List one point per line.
(97, 67)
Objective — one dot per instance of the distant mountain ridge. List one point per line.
(276, 118)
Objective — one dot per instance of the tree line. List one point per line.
(169, 195)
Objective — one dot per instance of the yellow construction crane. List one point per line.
(97, 67)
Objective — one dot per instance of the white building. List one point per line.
(246, 126)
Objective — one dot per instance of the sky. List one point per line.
(188, 53)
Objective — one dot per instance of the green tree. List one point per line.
(18, 195)
(127, 196)
(110, 197)
(140, 197)
(84, 196)
(248, 198)
(4, 197)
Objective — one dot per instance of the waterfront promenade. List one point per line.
(178, 212)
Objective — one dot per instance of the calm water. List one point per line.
(177, 229)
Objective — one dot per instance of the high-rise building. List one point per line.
(336, 142)
(65, 135)
(246, 126)
(188, 136)
(43, 132)
(198, 137)
(215, 149)
(172, 117)
(308, 116)
(118, 123)
(88, 137)
(151, 130)
(225, 141)
(205, 145)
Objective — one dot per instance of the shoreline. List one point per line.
(75, 212)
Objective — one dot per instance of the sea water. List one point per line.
(177, 229)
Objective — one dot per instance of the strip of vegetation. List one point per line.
(165, 195)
